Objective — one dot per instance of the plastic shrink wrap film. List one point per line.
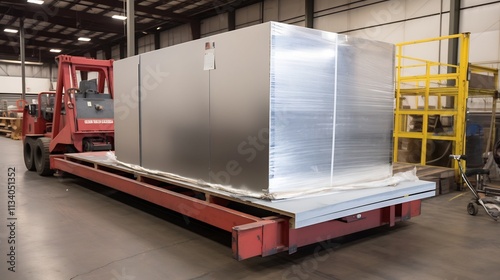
(325, 100)
(331, 109)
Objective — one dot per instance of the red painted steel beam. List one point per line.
(213, 214)
(251, 236)
(271, 236)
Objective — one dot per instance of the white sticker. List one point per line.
(209, 61)
(89, 104)
(209, 58)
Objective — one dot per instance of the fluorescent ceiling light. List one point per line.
(55, 50)
(10, 30)
(39, 2)
(120, 17)
(19, 62)
(84, 39)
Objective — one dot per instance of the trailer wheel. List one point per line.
(42, 159)
(472, 208)
(28, 151)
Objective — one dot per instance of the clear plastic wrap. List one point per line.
(332, 100)
(289, 110)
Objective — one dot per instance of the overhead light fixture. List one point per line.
(19, 62)
(10, 30)
(120, 17)
(84, 39)
(39, 2)
(55, 50)
(158, 28)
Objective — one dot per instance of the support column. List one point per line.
(195, 29)
(23, 58)
(231, 20)
(157, 40)
(107, 52)
(130, 28)
(122, 50)
(454, 29)
(310, 13)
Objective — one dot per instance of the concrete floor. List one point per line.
(71, 229)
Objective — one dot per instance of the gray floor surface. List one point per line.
(69, 228)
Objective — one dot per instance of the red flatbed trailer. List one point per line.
(251, 235)
(65, 130)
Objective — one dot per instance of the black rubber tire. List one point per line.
(472, 208)
(42, 157)
(28, 152)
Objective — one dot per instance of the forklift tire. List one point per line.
(42, 156)
(472, 208)
(29, 151)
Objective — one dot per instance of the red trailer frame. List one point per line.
(251, 235)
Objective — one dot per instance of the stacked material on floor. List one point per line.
(268, 109)
(11, 125)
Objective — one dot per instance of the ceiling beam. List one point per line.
(68, 18)
(148, 10)
(8, 52)
(35, 33)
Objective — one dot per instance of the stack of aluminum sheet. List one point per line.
(270, 108)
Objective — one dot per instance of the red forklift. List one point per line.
(77, 117)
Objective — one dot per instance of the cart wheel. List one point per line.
(472, 208)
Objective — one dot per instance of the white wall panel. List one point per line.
(414, 31)
(320, 5)
(33, 85)
(444, 31)
(249, 15)
(333, 23)
(391, 33)
(32, 71)
(146, 43)
(485, 33)
(468, 3)
(377, 14)
(175, 36)
(271, 10)
(115, 52)
(290, 9)
(214, 25)
(484, 48)
(417, 8)
(100, 55)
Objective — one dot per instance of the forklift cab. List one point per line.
(47, 106)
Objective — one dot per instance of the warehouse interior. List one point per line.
(259, 155)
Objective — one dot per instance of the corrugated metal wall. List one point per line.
(12, 97)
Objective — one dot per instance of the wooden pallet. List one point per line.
(444, 177)
(11, 127)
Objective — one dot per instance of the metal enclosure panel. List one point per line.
(364, 111)
(286, 109)
(126, 109)
(174, 110)
(239, 108)
(302, 105)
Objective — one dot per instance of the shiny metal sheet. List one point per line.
(286, 109)
(126, 110)
(174, 110)
(239, 109)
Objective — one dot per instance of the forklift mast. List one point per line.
(83, 112)
(77, 117)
